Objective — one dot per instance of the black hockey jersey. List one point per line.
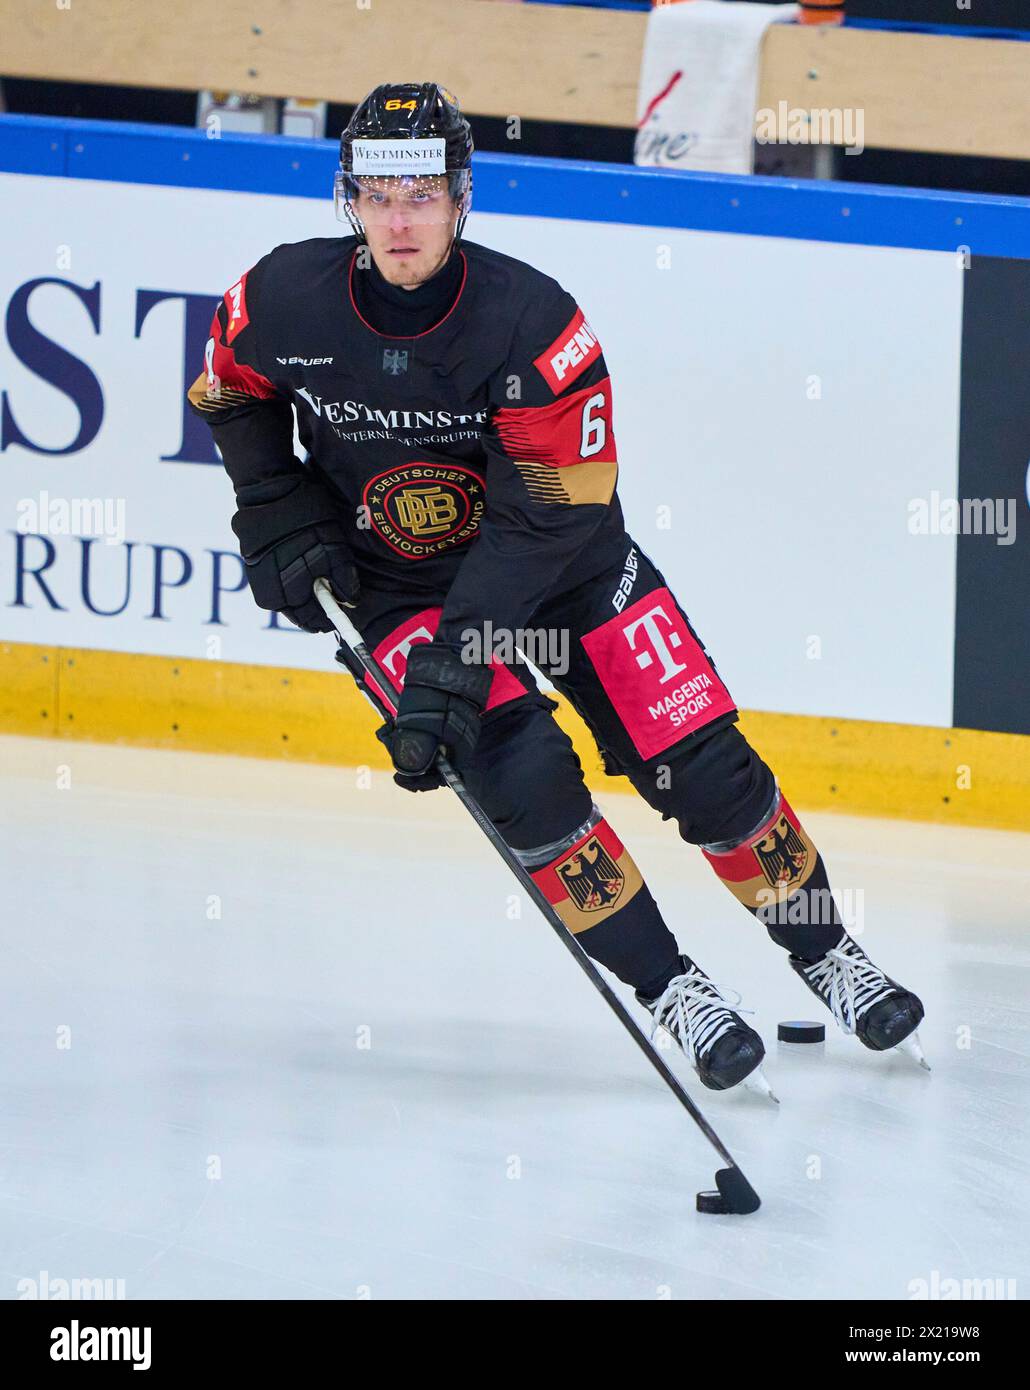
(474, 463)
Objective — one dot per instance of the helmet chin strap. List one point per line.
(462, 219)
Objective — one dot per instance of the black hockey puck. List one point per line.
(712, 1202)
(798, 1031)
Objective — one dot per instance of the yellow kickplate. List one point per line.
(216, 707)
(28, 689)
(957, 776)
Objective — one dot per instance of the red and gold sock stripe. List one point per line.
(590, 882)
(771, 864)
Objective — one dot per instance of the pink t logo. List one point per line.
(644, 659)
(389, 659)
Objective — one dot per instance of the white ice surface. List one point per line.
(500, 1137)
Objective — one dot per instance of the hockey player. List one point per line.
(460, 487)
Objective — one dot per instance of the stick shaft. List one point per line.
(362, 665)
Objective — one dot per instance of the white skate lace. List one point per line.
(694, 1009)
(849, 983)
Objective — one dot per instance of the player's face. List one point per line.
(409, 225)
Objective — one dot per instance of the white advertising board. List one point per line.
(778, 406)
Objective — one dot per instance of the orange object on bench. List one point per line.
(821, 11)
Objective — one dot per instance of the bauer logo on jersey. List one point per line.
(573, 350)
(781, 853)
(421, 509)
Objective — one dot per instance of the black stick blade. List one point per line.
(737, 1193)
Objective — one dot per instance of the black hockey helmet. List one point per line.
(407, 130)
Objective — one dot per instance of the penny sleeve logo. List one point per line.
(422, 509)
(569, 355)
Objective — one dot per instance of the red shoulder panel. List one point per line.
(236, 315)
(570, 430)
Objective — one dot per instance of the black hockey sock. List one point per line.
(779, 876)
(807, 923)
(656, 987)
(599, 894)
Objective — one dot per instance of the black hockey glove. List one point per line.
(439, 708)
(289, 541)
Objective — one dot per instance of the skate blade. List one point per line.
(911, 1047)
(759, 1086)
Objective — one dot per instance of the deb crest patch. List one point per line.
(421, 509)
(781, 853)
(591, 877)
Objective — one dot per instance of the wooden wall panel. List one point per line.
(535, 61)
(923, 92)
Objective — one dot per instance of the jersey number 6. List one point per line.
(594, 433)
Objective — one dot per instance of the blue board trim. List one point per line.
(958, 31)
(854, 214)
(30, 146)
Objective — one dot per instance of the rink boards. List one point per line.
(809, 382)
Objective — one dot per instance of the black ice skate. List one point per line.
(864, 1001)
(722, 1048)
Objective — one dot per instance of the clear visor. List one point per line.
(404, 200)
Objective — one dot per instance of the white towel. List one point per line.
(699, 84)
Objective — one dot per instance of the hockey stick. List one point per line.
(735, 1192)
